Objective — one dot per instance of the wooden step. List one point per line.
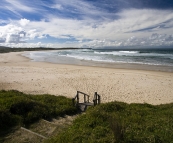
(84, 106)
(33, 133)
(24, 136)
(63, 120)
(43, 127)
(40, 131)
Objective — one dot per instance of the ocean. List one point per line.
(162, 57)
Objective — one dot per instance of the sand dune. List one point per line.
(131, 86)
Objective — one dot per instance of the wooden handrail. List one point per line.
(82, 93)
(96, 99)
(77, 96)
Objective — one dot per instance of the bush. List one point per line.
(18, 108)
(6, 119)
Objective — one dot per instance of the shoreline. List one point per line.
(121, 84)
(126, 66)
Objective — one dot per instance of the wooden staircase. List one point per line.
(82, 105)
(44, 129)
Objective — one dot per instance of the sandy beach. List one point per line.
(127, 85)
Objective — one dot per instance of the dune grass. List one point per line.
(122, 123)
(109, 122)
(17, 108)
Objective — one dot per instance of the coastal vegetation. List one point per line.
(122, 123)
(19, 109)
(7, 49)
(107, 122)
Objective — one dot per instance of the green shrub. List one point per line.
(18, 108)
(6, 119)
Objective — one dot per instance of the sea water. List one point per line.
(163, 57)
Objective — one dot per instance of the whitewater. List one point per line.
(163, 57)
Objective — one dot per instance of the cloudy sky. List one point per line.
(86, 23)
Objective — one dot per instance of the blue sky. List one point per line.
(86, 23)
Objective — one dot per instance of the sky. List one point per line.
(86, 23)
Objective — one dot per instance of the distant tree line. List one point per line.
(7, 49)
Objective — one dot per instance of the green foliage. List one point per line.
(122, 123)
(18, 108)
(7, 49)
(110, 122)
(58, 105)
(7, 120)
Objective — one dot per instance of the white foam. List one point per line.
(129, 52)
(108, 56)
(88, 58)
(120, 53)
(106, 60)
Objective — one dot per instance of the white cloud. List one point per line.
(18, 5)
(39, 44)
(42, 36)
(12, 38)
(79, 7)
(24, 22)
(17, 8)
(10, 33)
(17, 32)
(133, 27)
(57, 6)
(32, 34)
(161, 40)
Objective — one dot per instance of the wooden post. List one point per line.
(84, 98)
(88, 99)
(98, 99)
(94, 99)
(77, 97)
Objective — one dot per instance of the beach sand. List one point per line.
(127, 85)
